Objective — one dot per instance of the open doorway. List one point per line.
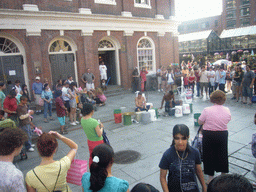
(108, 57)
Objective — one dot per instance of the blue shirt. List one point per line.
(37, 87)
(223, 79)
(47, 94)
(112, 184)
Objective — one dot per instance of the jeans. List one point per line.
(47, 106)
(222, 87)
(28, 130)
(210, 88)
(216, 86)
(198, 89)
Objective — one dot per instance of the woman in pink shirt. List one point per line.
(215, 135)
(143, 76)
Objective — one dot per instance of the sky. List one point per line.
(194, 9)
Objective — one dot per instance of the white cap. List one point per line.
(38, 77)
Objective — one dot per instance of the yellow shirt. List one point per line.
(48, 175)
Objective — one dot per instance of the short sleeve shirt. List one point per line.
(10, 104)
(48, 175)
(89, 126)
(223, 78)
(47, 94)
(248, 77)
(171, 162)
(61, 112)
(2, 98)
(204, 77)
(37, 87)
(112, 184)
(23, 110)
(103, 69)
(88, 77)
(215, 118)
(11, 178)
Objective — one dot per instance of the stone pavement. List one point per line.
(153, 139)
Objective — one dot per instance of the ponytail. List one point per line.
(102, 155)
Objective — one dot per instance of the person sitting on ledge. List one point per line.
(169, 101)
(140, 103)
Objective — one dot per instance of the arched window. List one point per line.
(105, 44)
(146, 54)
(60, 46)
(7, 46)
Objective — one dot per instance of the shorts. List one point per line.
(142, 109)
(103, 76)
(37, 97)
(159, 80)
(204, 84)
(66, 104)
(73, 103)
(247, 91)
(62, 120)
(89, 86)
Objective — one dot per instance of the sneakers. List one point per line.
(31, 149)
(158, 90)
(77, 122)
(33, 145)
(73, 123)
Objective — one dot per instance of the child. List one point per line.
(25, 121)
(61, 111)
(103, 85)
(100, 97)
(185, 81)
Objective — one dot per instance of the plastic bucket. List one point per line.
(196, 117)
(117, 111)
(156, 110)
(138, 116)
(186, 109)
(127, 119)
(145, 118)
(118, 118)
(191, 107)
(152, 114)
(178, 111)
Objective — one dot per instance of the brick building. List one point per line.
(57, 38)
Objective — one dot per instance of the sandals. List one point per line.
(64, 132)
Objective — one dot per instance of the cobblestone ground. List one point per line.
(153, 139)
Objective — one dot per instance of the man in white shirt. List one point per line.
(211, 80)
(65, 95)
(103, 71)
(11, 143)
(204, 81)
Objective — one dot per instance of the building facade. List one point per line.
(57, 38)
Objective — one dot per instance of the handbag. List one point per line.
(198, 142)
(254, 145)
(77, 168)
(41, 102)
(105, 138)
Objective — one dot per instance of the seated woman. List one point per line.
(183, 163)
(100, 177)
(51, 175)
(100, 97)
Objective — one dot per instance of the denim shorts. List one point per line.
(62, 120)
(247, 91)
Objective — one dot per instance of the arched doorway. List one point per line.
(108, 49)
(62, 59)
(12, 66)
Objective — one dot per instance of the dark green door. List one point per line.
(62, 65)
(11, 69)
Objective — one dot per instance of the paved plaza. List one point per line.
(153, 139)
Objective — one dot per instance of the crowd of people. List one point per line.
(180, 165)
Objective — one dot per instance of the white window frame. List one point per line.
(153, 54)
(106, 2)
(143, 5)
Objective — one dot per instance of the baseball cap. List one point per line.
(38, 77)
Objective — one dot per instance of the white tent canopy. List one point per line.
(194, 36)
(251, 30)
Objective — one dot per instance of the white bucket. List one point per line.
(189, 96)
(178, 111)
(152, 114)
(186, 109)
(145, 118)
(150, 104)
(138, 116)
